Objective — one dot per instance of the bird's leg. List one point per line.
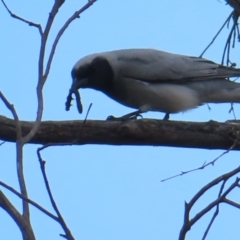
(129, 116)
(166, 117)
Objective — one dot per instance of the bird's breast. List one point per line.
(153, 96)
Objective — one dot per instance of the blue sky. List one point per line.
(111, 192)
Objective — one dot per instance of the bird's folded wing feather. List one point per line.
(156, 66)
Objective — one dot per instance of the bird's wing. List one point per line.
(157, 66)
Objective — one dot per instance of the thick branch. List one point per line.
(209, 135)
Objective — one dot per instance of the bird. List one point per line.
(154, 80)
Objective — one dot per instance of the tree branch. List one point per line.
(205, 164)
(19, 157)
(41, 75)
(29, 201)
(61, 31)
(219, 31)
(188, 223)
(148, 132)
(37, 25)
(41, 79)
(23, 225)
(60, 219)
(232, 203)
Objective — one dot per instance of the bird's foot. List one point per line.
(130, 116)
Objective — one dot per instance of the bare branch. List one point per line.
(214, 203)
(29, 201)
(61, 31)
(41, 79)
(19, 145)
(223, 177)
(227, 47)
(189, 223)
(230, 202)
(211, 222)
(14, 113)
(23, 225)
(216, 211)
(147, 132)
(43, 76)
(38, 26)
(22, 140)
(60, 219)
(233, 35)
(219, 31)
(206, 164)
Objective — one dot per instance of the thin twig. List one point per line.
(215, 213)
(41, 79)
(59, 216)
(228, 43)
(214, 203)
(84, 121)
(219, 31)
(205, 164)
(61, 31)
(37, 25)
(19, 151)
(187, 223)
(41, 75)
(28, 200)
(230, 202)
(42, 165)
(211, 222)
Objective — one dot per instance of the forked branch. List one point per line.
(188, 223)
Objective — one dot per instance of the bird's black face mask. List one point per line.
(97, 75)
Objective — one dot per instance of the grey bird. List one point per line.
(153, 80)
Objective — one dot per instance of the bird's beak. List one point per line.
(79, 83)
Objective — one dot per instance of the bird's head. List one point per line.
(93, 71)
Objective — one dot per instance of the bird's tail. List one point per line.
(217, 91)
(227, 72)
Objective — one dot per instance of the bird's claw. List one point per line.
(112, 118)
(124, 118)
(135, 117)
